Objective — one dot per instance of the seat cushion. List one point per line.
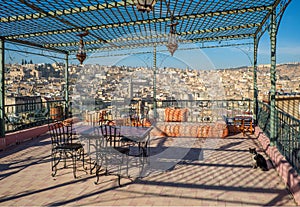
(69, 146)
(122, 150)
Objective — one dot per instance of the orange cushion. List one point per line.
(175, 115)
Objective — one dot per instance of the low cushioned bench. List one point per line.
(175, 124)
(186, 129)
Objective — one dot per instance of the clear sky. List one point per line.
(288, 44)
(288, 50)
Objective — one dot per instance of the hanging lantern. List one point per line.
(144, 5)
(172, 44)
(81, 54)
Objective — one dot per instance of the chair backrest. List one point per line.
(101, 138)
(110, 133)
(135, 121)
(133, 117)
(60, 133)
(102, 117)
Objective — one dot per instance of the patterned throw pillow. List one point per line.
(176, 115)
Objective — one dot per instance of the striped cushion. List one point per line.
(176, 115)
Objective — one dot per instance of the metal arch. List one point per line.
(37, 45)
(125, 52)
(202, 31)
(150, 44)
(281, 12)
(265, 24)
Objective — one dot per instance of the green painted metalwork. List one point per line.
(103, 6)
(288, 141)
(117, 24)
(31, 114)
(34, 53)
(57, 13)
(67, 86)
(31, 44)
(154, 82)
(97, 47)
(288, 134)
(282, 5)
(273, 32)
(263, 117)
(255, 79)
(125, 52)
(155, 20)
(162, 38)
(2, 89)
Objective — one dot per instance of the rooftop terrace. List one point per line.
(217, 174)
(222, 176)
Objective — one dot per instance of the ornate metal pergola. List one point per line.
(113, 25)
(117, 24)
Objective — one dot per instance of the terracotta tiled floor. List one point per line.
(210, 172)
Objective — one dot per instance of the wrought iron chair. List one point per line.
(110, 155)
(103, 117)
(63, 146)
(139, 119)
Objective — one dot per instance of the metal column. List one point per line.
(2, 89)
(273, 32)
(154, 83)
(67, 87)
(255, 80)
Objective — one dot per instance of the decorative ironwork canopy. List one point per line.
(55, 24)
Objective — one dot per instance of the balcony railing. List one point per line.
(263, 117)
(28, 115)
(287, 133)
(22, 116)
(198, 110)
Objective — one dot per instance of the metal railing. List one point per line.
(263, 117)
(288, 138)
(198, 110)
(28, 115)
(287, 134)
(22, 116)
